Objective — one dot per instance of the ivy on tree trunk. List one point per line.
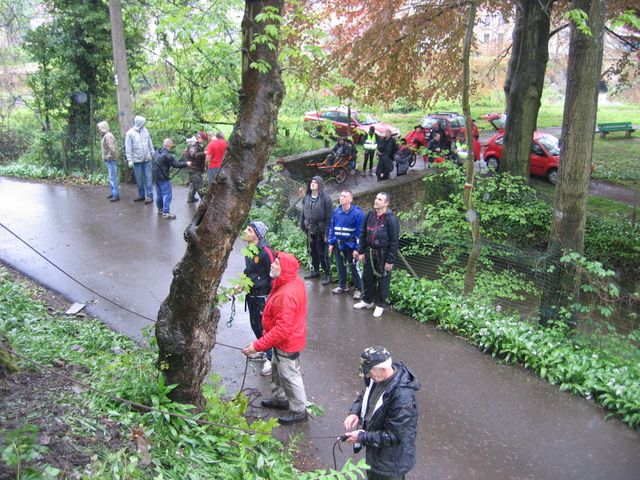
(524, 83)
(188, 317)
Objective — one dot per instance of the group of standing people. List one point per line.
(384, 417)
(367, 243)
(152, 168)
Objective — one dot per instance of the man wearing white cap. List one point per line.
(387, 413)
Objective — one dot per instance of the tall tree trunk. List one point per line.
(472, 215)
(524, 83)
(578, 125)
(188, 317)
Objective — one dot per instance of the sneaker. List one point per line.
(139, 199)
(311, 274)
(110, 196)
(357, 295)
(362, 304)
(192, 200)
(339, 290)
(115, 199)
(258, 357)
(326, 280)
(290, 417)
(148, 200)
(378, 312)
(266, 369)
(160, 213)
(168, 216)
(364, 174)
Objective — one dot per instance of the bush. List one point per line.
(550, 352)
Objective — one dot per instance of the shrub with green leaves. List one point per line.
(167, 446)
(550, 352)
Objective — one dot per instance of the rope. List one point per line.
(74, 279)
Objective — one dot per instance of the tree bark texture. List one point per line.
(188, 317)
(472, 215)
(578, 125)
(524, 83)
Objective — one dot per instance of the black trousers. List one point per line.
(376, 289)
(255, 305)
(368, 158)
(318, 250)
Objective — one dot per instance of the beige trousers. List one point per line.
(286, 381)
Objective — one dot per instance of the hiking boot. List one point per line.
(290, 417)
(110, 196)
(275, 404)
(115, 199)
(357, 295)
(311, 274)
(139, 199)
(266, 368)
(362, 304)
(168, 216)
(378, 312)
(326, 280)
(148, 200)
(339, 290)
(160, 213)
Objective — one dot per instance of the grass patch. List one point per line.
(148, 444)
(617, 159)
(595, 205)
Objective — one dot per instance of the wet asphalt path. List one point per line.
(479, 419)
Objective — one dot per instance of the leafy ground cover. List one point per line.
(51, 428)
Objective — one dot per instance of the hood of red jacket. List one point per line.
(289, 270)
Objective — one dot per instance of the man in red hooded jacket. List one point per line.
(284, 328)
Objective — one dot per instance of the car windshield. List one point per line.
(428, 122)
(550, 143)
(364, 118)
(500, 122)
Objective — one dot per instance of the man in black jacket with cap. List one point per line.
(387, 413)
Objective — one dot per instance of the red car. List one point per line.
(544, 159)
(451, 123)
(360, 123)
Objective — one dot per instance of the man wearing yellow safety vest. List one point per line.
(370, 147)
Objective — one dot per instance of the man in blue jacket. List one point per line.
(344, 234)
(387, 414)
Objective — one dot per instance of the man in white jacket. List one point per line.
(139, 150)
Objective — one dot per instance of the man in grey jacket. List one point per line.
(110, 158)
(317, 209)
(139, 150)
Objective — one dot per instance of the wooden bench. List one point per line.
(604, 128)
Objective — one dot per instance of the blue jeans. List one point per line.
(163, 195)
(112, 169)
(211, 174)
(143, 179)
(344, 258)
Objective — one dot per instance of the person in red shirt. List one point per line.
(215, 153)
(284, 328)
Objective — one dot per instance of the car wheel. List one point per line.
(314, 132)
(493, 163)
(552, 176)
